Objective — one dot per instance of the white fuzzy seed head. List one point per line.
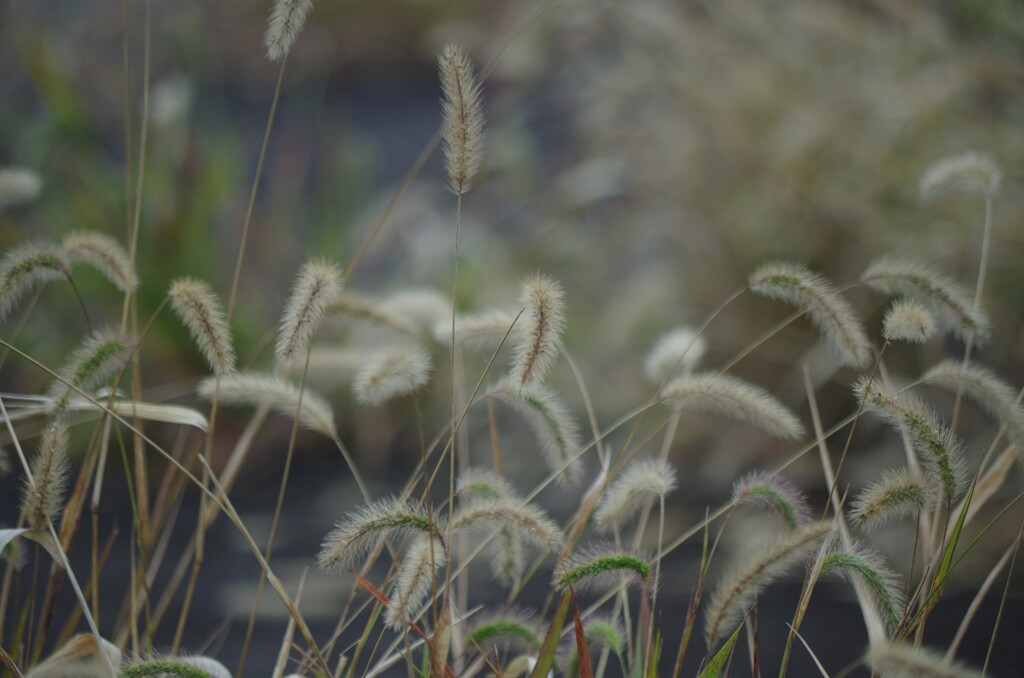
(284, 25)
(639, 486)
(105, 254)
(967, 172)
(316, 287)
(391, 372)
(462, 127)
(199, 309)
(908, 321)
(677, 352)
(539, 331)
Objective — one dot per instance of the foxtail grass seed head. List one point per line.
(897, 494)
(527, 520)
(507, 557)
(258, 389)
(391, 372)
(373, 312)
(601, 632)
(423, 307)
(462, 125)
(639, 486)
(732, 397)
(18, 185)
(103, 253)
(25, 267)
(677, 352)
(514, 628)
(43, 498)
(739, 586)
(477, 483)
(199, 309)
(862, 563)
(484, 330)
(770, 492)
(939, 451)
(89, 366)
(284, 25)
(909, 321)
(985, 388)
(555, 430)
(603, 565)
(539, 334)
(903, 660)
(417, 577)
(316, 287)
(968, 173)
(947, 299)
(794, 284)
(354, 537)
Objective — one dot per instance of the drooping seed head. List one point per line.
(258, 389)
(417, 578)
(904, 660)
(556, 431)
(391, 372)
(677, 352)
(25, 267)
(771, 492)
(967, 172)
(105, 254)
(512, 628)
(640, 485)
(603, 564)
(353, 537)
(863, 564)
(985, 388)
(199, 309)
(43, 498)
(895, 495)
(909, 321)
(89, 366)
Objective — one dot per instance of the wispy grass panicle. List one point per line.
(556, 431)
(897, 494)
(18, 185)
(513, 628)
(374, 312)
(354, 537)
(796, 285)
(417, 577)
(909, 321)
(391, 372)
(90, 365)
(732, 397)
(284, 25)
(258, 389)
(527, 520)
(43, 498)
(316, 287)
(601, 632)
(422, 307)
(861, 563)
(904, 660)
(967, 172)
(937, 448)
(676, 352)
(477, 483)
(105, 254)
(738, 588)
(603, 564)
(483, 330)
(771, 492)
(462, 125)
(25, 267)
(539, 332)
(985, 388)
(951, 303)
(640, 485)
(198, 307)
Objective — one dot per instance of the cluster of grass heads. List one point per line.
(601, 570)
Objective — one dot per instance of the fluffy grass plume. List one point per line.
(374, 311)
(176, 667)
(967, 172)
(258, 389)
(199, 309)
(105, 254)
(796, 285)
(43, 498)
(861, 563)
(603, 564)
(557, 433)
(90, 365)
(985, 388)
(391, 372)
(539, 333)
(906, 277)
(734, 398)
(909, 321)
(417, 577)
(422, 307)
(676, 352)
(316, 286)
(479, 483)
(524, 518)
(26, 266)
(462, 125)
(932, 441)
(897, 494)
(284, 25)
(354, 537)
(903, 660)
(18, 185)
(738, 588)
(506, 549)
(600, 632)
(484, 330)
(639, 486)
(514, 628)
(770, 492)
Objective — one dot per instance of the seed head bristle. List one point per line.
(603, 564)
(258, 389)
(794, 284)
(539, 332)
(316, 287)
(198, 307)
(105, 254)
(284, 25)
(897, 494)
(968, 172)
(353, 537)
(43, 498)
(903, 660)
(734, 398)
(423, 307)
(18, 185)
(391, 372)
(26, 266)
(375, 312)
(417, 577)
(513, 628)
(909, 321)
(94, 361)
(862, 563)
(639, 486)
(985, 388)
(477, 483)
(557, 433)
(462, 126)
(771, 492)
(527, 520)
(483, 330)
(677, 352)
